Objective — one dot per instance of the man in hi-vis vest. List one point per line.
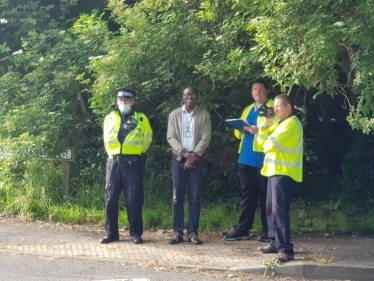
(282, 142)
(127, 136)
(251, 159)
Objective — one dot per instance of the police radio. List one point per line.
(267, 111)
(131, 123)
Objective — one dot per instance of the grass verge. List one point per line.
(87, 206)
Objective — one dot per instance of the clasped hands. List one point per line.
(191, 157)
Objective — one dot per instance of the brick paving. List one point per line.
(215, 253)
(41, 238)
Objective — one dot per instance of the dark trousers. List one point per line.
(126, 177)
(192, 178)
(253, 185)
(277, 209)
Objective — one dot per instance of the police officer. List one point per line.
(127, 136)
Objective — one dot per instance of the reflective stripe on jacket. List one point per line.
(238, 134)
(282, 143)
(136, 142)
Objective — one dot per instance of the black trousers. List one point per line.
(193, 178)
(253, 185)
(126, 177)
(277, 209)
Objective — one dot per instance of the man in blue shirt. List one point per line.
(251, 158)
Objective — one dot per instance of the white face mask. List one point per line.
(124, 108)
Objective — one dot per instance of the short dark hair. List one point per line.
(286, 99)
(193, 89)
(262, 82)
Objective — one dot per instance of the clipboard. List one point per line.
(237, 124)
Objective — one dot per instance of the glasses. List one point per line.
(189, 95)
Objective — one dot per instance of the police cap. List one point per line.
(125, 93)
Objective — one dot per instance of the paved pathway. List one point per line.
(40, 238)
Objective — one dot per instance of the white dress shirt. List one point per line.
(188, 130)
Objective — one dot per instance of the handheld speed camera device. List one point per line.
(267, 111)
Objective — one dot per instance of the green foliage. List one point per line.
(270, 266)
(68, 213)
(158, 215)
(323, 45)
(218, 217)
(334, 217)
(45, 108)
(61, 60)
(221, 184)
(32, 194)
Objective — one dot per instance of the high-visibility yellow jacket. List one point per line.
(282, 143)
(238, 134)
(136, 142)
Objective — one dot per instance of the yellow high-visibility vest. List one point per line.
(282, 143)
(136, 142)
(239, 135)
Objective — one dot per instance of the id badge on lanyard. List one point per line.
(188, 133)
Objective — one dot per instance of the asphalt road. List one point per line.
(25, 267)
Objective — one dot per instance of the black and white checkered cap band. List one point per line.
(123, 94)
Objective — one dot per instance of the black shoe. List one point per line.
(282, 257)
(176, 238)
(236, 236)
(108, 239)
(267, 250)
(137, 239)
(263, 238)
(193, 238)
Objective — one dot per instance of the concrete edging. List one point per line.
(314, 271)
(343, 271)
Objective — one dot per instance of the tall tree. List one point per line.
(320, 45)
(44, 107)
